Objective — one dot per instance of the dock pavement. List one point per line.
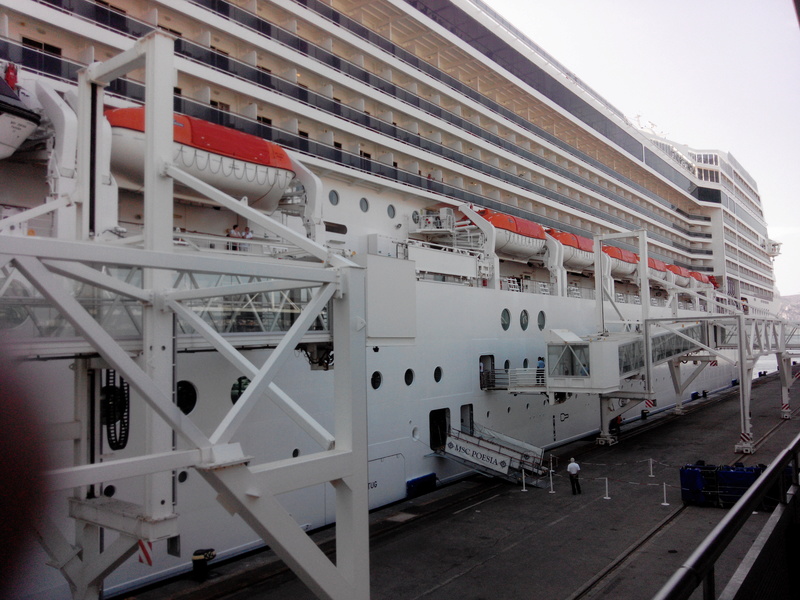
(621, 538)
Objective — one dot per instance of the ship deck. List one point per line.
(481, 539)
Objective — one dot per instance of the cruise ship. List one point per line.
(376, 231)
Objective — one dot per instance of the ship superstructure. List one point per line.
(502, 212)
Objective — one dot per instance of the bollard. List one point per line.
(665, 503)
(200, 560)
(523, 481)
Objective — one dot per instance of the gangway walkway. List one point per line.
(493, 454)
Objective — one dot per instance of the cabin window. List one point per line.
(505, 319)
(333, 197)
(415, 217)
(439, 421)
(363, 204)
(540, 320)
(264, 120)
(186, 396)
(409, 376)
(437, 374)
(525, 364)
(390, 211)
(524, 319)
(335, 228)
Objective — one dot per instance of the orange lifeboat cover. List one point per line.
(213, 138)
(701, 277)
(658, 265)
(572, 240)
(681, 271)
(514, 224)
(620, 254)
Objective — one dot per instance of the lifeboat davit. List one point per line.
(657, 269)
(17, 122)
(623, 262)
(578, 250)
(681, 275)
(516, 236)
(237, 163)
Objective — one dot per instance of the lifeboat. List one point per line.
(516, 236)
(237, 163)
(17, 122)
(703, 280)
(578, 250)
(623, 262)
(656, 269)
(682, 277)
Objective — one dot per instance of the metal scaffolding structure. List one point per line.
(55, 268)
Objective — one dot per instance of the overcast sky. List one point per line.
(721, 74)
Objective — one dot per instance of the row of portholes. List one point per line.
(363, 204)
(377, 377)
(524, 319)
(186, 392)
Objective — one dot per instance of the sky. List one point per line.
(711, 74)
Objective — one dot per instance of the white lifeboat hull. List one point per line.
(262, 185)
(576, 258)
(620, 268)
(13, 131)
(656, 274)
(518, 246)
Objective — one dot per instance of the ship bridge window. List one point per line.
(568, 360)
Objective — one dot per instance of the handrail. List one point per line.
(699, 567)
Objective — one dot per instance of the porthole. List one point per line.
(295, 453)
(409, 376)
(505, 319)
(238, 388)
(415, 217)
(390, 211)
(183, 476)
(186, 396)
(525, 364)
(488, 412)
(363, 204)
(437, 374)
(540, 320)
(508, 410)
(523, 319)
(109, 491)
(507, 365)
(376, 380)
(333, 196)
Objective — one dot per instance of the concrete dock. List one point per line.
(622, 538)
